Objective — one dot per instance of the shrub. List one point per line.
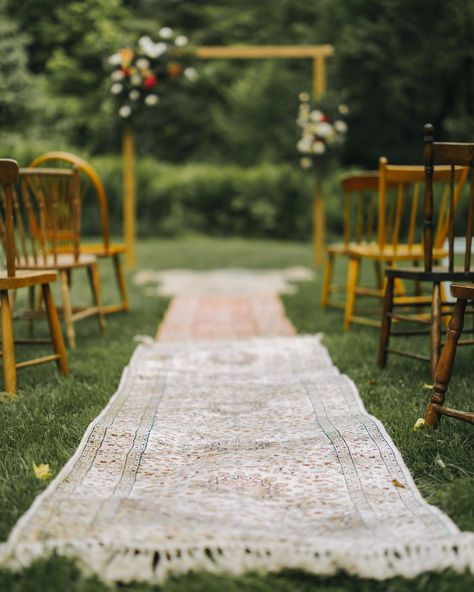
(266, 201)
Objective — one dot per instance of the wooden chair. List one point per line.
(359, 226)
(91, 184)
(12, 279)
(397, 237)
(444, 369)
(52, 204)
(437, 224)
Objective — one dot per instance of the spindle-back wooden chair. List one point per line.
(52, 203)
(398, 238)
(437, 225)
(91, 186)
(360, 192)
(12, 228)
(463, 293)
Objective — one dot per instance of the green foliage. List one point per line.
(16, 84)
(404, 63)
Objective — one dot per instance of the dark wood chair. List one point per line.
(397, 239)
(360, 192)
(91, 185)
(51, 200)
(437, 224)
(12, 229)
(463, 294)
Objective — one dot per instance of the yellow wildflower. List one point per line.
(42, 471)
(419, 423)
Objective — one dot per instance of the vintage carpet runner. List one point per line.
(250, 453)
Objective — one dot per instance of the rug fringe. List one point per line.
(136, 563)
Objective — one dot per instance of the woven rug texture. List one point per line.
(227, 453)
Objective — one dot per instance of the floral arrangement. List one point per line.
(323, 130)
(139, 74)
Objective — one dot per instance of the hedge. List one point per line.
(265, 201)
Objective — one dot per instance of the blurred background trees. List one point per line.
(398, 65)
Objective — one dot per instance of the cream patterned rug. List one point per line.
(228, 282)
(235, 456)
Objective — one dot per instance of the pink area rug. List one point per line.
(192, 318)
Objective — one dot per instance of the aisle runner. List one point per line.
(233, 456)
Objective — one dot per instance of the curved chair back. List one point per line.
(88, 179)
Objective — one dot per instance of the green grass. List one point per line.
(47, 419)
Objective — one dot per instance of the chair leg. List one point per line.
(386, 322)
(31, 306)
(55, 329)
(94, 282)
(352, 279)
(436, 320)
(8, 345)
(120, 281)
(66, 293)
(327, 280)
(378, 275)
(445, 364)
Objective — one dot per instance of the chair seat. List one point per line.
(389, 252)
(99, 249)
(465, 291)
(25, 279)
(63, 261)
(438, 274)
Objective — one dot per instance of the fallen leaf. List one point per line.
(397, 483)
(428, 387)
(419, 423)
(42, 472)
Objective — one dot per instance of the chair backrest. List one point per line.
(360, 190)
(45, 214)
(400, 204)
(8, 177)
(90, 182)
(454, 155)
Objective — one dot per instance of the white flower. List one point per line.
(166, 32)
(134, 95)
(190, 74)
(316, 115)
(304, 145)
(143, 64)
(343, 109)
(115, 59)
(151, 100)
(319, 147)
(117, 75)
(304, 97)
(136, 80)
(155, 50)
(340, 126)
(306, 162)
(181, 41)
(324, 129)
(125, 111)
(116, 88)
(144, 41)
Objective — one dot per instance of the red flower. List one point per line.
(150, 81)
(174, 70)
(324, 117)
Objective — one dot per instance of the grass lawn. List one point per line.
(47, 419)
